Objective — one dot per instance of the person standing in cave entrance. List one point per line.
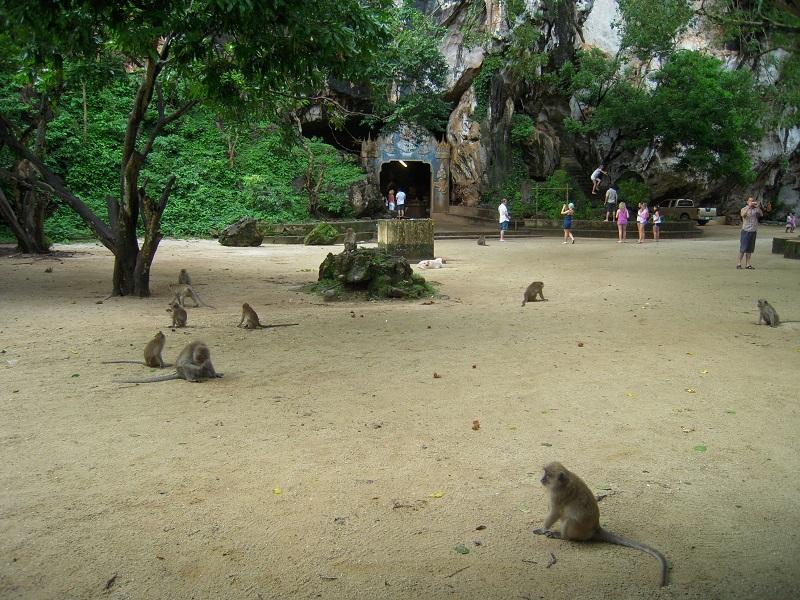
(400, 201)
(390, 201)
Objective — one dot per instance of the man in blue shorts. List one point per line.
(504, 218)
(747, 239)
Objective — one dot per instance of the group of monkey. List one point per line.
(571, 501)
(194, 362)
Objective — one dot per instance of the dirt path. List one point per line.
(330, 463)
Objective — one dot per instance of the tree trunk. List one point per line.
(151, 215)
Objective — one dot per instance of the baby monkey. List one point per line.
(572, 501)
(179, 316)
(184, 278)
(152, 354)
(482, 240)
(533, 290)
(193, 364)
(187, 291)
(250, 320)
(767, 314)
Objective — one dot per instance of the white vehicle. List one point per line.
(685, 209)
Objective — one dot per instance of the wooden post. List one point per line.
(410, 238)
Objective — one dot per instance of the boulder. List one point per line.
(245, 232)
(370, 271)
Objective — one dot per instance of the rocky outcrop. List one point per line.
(245, 232)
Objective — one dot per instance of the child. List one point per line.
(791, 222)
(390, 202)
(621, 218)
(642, 216)
(656, 223)
(567, 210)
(597, 175)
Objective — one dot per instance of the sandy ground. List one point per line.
(330, 463)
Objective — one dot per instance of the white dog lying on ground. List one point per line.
(436, 263)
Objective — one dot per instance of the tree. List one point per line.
(225, 52)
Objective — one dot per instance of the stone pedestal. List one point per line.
(792, 249)
(410, 238)
(778, 245)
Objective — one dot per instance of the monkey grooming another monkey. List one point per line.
(152, 354)
(767, 314)
(350, 244)
(572, 501)
(482, 240)
(184, 278)
(250, 320)
(187, 291)
(193, 364)
(179, 315)
(533, 290)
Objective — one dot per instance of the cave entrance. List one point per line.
(415, 179)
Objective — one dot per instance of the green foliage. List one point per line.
(633, 191)
(322, 235)
(706, 115)
(482, 84)
(650, 28)
(522, 128)
(407, 74)
(546, 197)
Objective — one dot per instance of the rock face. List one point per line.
(369, 271)
(245, 232)
(479, 136)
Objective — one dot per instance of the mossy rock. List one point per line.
(371, 273)
(323, 234)
(244, 233)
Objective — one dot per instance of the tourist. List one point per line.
(747, 238)
(656, 223)
(611, 203)
(567, 211)
(621, 217)
(642, 216)
(597, 175)
(791, 222)
(400, 201)
(390, 201)
(504, 218)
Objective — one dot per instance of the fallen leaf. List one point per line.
(277, 491)
(731, 412)
(691, 390)
(436, 375)
(685, 429)
(630, 394)
(436, 494)
(580, 344)
(700, 448)
(690, 354)
(461, 549)
(476, 424)
(474, 366)
(704, 372)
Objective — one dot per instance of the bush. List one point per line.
(323, 234)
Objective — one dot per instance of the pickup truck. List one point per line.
(686, 209)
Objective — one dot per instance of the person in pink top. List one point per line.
(621, 217)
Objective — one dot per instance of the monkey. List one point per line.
(572, 501)
(179, 315)
(533, 290)
(250, 320)
(184, 278)
(193, 364)
(767, 314)
(350, 244)
(482, 240)
(187, 291)
(152, 354)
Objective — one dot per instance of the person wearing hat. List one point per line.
(567, 210)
